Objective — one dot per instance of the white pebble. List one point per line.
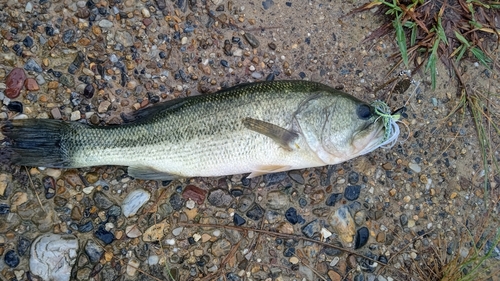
(415, 167)
(75, 115)
(170, 242)
(190, 204)
(145, 13)
(184, 40)
(29, 7)
(88, 189)
(177, 231)
(134, 201)
(105, 24)
(46, 251)
(152, 260)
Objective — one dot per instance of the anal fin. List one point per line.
(268, 169)
(148, 173)
(282, 136)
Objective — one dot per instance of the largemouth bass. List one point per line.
(256, 128)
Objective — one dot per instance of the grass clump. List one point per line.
(438, 30)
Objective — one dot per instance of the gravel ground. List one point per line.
(383, 215)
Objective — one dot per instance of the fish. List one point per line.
(256, 128)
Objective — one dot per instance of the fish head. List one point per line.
(349, 128)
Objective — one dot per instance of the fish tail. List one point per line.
(36, 142)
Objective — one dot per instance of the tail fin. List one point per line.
(37, 142)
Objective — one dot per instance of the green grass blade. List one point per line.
(461, 53)
(431, 63)
(462, 39)
(481, 56)
(401, 39)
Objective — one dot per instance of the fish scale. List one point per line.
(290, 125)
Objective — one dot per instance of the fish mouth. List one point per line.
(385, 135)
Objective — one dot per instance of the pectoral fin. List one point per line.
(148, 173)
(283, 137)
(268, 169)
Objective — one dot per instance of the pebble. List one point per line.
(133, 231)
(362, 236)
(124, 38)
(102, 201)
(292, 216)
(255, 213)
(14, 82)
(104, 235)
(68, 36)
(194, 193)
(251, 40)
(28, 42)
(311, 229)
(352, 192)
(221, 247)
(11, 258)
(414, 167)
(15, 106)
(177, 231)
(333, 199)
(52, 256)
(103, 106)
(277, 200)
(176, 201)
(155, 232)
(132, 267)
(296, 176)
(238, 220)
(134, 201)
(343, 224)
(220, 198)
(353, 178)
(105, 23)
(32, 65)
(31, 85)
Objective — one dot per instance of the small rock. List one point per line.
(220, 198)
(277, 200)
(104, 235)
(353, 177)
(296, 176)
(255, 213)
(343, 224)
(11, 259)
(53, 256)
(177, 231)
(362, 236)
(23, 245)
(195, 193)
(124, 38)
(134, 201)
(133, 231)
(403, 219)
(102, 201)
(352, 192)
(105, 23)
(14, 83)
(292, 216)
(251, 40)
(414, 167)
(311, 229)
(132, 267)
(238, 220)
(176, 201)
(274, 178)
(155, 232)
(32, 65)
(334, 276)
(333, 199)
(221, 247)
(31, 85)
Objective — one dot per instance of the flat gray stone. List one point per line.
(53, 256)
(134, 201)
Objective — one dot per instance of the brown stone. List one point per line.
(53, 85)
(14, 82)
(31, 84)
(194, 193)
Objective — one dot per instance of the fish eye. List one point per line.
(364, 112)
